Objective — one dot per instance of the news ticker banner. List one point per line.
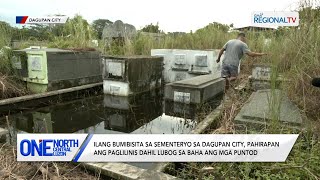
(155, 147)
(41, 20)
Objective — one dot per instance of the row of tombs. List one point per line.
(189, 76)
(144, 113)
(49, 69)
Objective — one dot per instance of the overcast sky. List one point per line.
(172, 15)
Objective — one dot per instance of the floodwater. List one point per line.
(146, 113)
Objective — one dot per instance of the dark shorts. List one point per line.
(229, 71)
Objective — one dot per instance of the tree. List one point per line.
(4, 25)
(215, 26)
(98, 25)
(309, 15)
(77, 33)
(151, 28)
(40, 31)
(77, 27)
(5, 34)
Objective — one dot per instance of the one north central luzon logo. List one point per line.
(260, 18)
(47, 147)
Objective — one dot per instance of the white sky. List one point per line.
(172, 15)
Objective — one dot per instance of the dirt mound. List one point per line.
(11, 169)
(11, 87)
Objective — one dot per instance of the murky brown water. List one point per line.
(146, 113)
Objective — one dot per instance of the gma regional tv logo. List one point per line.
(41, 20)
(280, 18)
(47, 147)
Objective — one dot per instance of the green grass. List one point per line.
(293, 52)
(5, 51)
(77, 33)
(302, 163)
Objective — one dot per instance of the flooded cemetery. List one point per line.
(169, 92)
(129, 81)
(132, 89)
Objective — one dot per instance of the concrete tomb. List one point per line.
(265, 105)
(196, 90)
(182, 64)
(51, 69)
(125, 76)
(261, 78)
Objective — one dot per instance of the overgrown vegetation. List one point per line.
(77, 33)
(11, 169)
(293, 52)
(212, 36)
(9, 84)
(302, 163)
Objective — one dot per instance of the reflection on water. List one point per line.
(126, 114)
(146, 113)
(187, 111)
(166, 125)
(66, 117)
(104, 114)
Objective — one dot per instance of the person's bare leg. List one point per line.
(231, 79)
(227, 84)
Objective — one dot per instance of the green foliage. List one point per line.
(5, 63)
(213, 36)
(5, 34)
(98, 25)
(151, 28)
(302, 163)
(36, 32)
(301, 56)
(77, 33)
(5, 51)
(214, 27)
(39, 32)
(57, 29)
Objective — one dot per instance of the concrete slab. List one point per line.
(182, 64)
(257, 109)
(155, 175)
(17, 104)
(126, 171)
(3, 131)
(3, 134)
(261, 78)
(262, 72)
(195, 90)
(196, 81)
(260, 84)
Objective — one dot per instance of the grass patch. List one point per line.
(77, 33)
(11, 169)
(10, 86)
